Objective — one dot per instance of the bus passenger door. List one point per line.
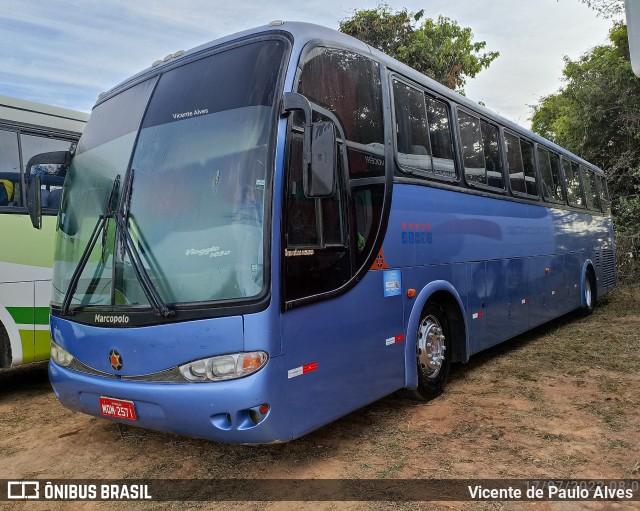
(342, 337)
(342, 327)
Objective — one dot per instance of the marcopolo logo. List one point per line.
(122, 319)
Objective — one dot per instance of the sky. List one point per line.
(66, 52)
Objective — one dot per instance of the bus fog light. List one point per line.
(224, 367)
(60, 356)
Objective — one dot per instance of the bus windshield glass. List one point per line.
(197, 141)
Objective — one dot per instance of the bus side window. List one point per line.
(492, 156)
(603, 193)
(556, 172)
(522, 170)
(441, 139)
(590, 189)
(514, 159)
(530, 178)
(473, 157)
(10, 189)
(574, 187)
(548, 186)
(412, 132)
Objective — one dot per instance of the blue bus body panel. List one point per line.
(515, 265)
(357, 342)
(151, 349)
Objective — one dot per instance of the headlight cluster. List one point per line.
(224, 367)
(60, 356)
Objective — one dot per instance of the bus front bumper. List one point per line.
(245, 410)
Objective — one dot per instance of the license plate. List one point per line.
(118, 408)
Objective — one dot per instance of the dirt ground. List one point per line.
(562, 401)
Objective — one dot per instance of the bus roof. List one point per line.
(20, 112)
(304, 33)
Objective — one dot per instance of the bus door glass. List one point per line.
(329, 240)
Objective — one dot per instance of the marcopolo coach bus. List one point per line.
(26, 255)
(267, 232)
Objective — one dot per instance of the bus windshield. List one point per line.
(197, 139)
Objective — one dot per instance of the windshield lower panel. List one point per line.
(200, 159)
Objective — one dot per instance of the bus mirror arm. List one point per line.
(318, 148)
(34, 181)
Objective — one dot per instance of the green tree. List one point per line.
(438, 48)
(606, 8)
(597, 116)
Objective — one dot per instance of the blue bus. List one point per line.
(270, 231)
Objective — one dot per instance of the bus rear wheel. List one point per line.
(433, 352)
(590, 295)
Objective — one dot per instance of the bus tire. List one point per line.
(5, 348)
(433, 352)
(589, 295)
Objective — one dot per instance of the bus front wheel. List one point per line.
(433, 352)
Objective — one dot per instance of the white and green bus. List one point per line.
(26, 254)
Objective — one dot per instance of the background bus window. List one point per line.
(441, 139)
(473, 158)
(10, 189)
(590, 189)
(574, 187)
(412, 130)
(52, 181)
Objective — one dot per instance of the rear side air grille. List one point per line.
(608, 268)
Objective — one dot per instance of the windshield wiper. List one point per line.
(84, 258)
(121, 216)
(128, 245)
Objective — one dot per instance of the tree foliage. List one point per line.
(597, 116)
(606, 8)
(438, 48)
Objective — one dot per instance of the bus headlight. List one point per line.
(224, 367)
(60, 356)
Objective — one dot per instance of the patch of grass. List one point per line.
(392, 471)
(617, 444)
(610, 412)
(609, 385)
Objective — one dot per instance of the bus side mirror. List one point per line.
(34, 201)
(320, 179)
(318, 149)
(44, 168)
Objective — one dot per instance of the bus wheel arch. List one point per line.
(438, 329)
